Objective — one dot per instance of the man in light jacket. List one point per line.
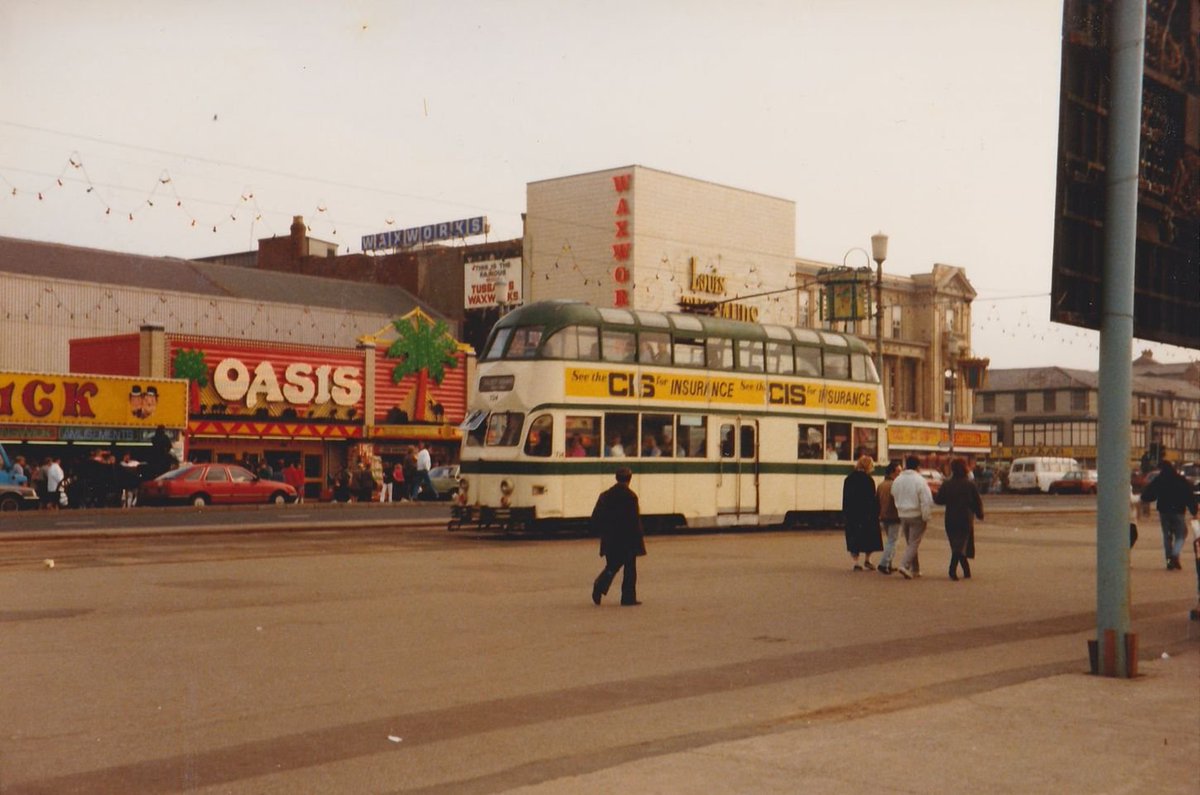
(914, 504)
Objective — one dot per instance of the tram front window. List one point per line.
(524, 342)
(540, 440)
(504, 429)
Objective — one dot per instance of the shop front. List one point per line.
(79, 417)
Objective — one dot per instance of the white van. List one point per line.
(1038, 472)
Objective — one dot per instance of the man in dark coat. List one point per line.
(617, 519)
(1175, 499)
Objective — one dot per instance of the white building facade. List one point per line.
(646, 239)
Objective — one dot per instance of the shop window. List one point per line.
(583, 437)
(658, 436)
(691, 436)
(620, 434)
(810, 442)
(540, 440)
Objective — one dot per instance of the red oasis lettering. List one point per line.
(302, 383)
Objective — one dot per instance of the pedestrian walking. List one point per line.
(54, 481)
(963, 507)
(860, 513)
(914, 504)
(385, 491)
(421, 482)
(617, 519)
(888, 516)
(1174, 495)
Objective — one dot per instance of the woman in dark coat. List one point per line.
(860, 510)
(963, 505)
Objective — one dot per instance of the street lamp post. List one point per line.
(951, 383)
(879, 243)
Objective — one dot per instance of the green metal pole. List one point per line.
(1116, 338)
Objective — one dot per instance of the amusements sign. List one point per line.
(96, 400)
(491, 283)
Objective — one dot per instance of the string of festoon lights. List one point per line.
(160, 193)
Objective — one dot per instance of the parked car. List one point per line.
(1077, 481)
(445, 480)
(933, 478)
(17, 498)
(216, 484)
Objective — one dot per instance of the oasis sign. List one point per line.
(298, 383)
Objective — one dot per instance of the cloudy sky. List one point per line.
(184, 129)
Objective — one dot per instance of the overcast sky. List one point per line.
(934, 121)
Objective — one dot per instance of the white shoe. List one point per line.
(905, 572)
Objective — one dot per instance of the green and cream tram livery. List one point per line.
(722, 422)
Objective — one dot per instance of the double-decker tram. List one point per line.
(722, 422)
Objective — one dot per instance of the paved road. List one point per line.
(157, 520)
(410, 660)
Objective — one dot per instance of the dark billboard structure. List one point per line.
(1167, 274)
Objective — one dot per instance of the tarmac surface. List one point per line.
(976, 686)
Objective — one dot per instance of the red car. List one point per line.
(1079, 481)
(213, 484)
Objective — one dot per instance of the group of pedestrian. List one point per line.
(408, 478)
(902, 506)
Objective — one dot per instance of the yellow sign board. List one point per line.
(719, 390)
(45, 399)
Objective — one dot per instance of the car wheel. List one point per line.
(200, 500)
(9, 503)
(279, 498)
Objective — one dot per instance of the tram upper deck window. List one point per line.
(718, 353)
(654, 347)
(750, 356)
(779, 358)
(862, 368)
(689, 352)
(504, 429)
(837, 364)
(618, 346)
(524, 342)
(573, 342)
(496, 349)
(808, 361)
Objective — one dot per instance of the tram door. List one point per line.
(737, 480)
